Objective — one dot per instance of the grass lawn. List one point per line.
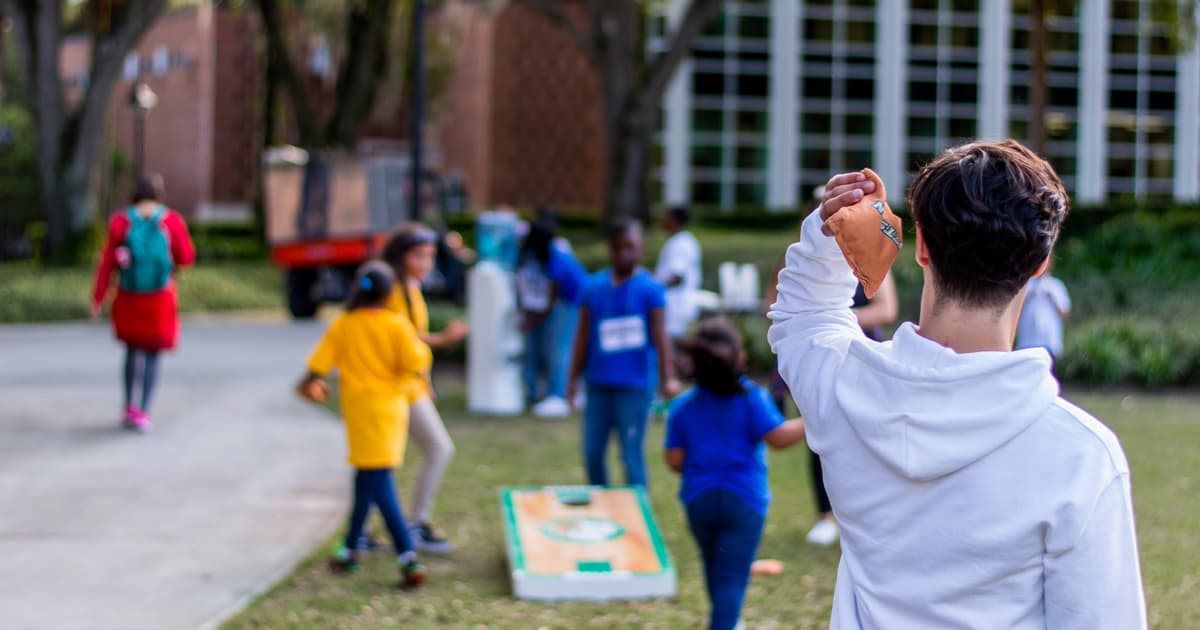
(30, 293)
(471, 589)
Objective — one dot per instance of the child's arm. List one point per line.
(320, 362)
(786, 434)
(455, 332)
(313, 387)
(674, 458)
(668, 387)
(579, 352)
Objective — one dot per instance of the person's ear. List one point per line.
(1044, 267)
(922, 254)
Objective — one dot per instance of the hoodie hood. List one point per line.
(951, 410)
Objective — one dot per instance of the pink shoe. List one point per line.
(137, 419)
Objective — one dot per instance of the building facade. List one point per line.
(779, 94)
(203, 135)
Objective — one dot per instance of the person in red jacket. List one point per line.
(147, 244)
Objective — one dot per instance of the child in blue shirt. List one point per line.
(715, 436)
(621, 328)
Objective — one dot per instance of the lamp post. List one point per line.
(418, 104)
(142, 99)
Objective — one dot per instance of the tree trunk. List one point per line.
(621, 64)
(68, 143)
(273, 29)
(366, 61)
(1038, 62)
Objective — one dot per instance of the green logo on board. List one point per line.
(583, 529)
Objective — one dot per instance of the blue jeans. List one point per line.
(625, 409)
(727, 530)
(376, 487)
(548, 349)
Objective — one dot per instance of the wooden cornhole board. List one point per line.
(584, 543)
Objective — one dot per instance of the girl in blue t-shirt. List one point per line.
(621, 329)
(715, 436)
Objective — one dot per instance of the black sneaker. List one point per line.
(427, 540)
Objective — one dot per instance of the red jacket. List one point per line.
(147, 321)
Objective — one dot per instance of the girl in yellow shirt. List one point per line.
(411, 253)
(380, 359)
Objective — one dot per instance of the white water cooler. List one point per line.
(495, 346)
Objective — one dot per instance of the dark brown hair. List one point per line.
(989, 213)
(149, 187)
(406, 237)
(715, 350)
(372, 285)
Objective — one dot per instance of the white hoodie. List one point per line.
(969, 494)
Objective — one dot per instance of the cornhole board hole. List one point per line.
(584, 543)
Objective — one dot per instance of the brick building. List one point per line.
(203, 134)
(522, 122)
(519, 122)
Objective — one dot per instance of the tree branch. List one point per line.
(365, 63)
(658, 75)
(560, 19)
(108, 54)
(272, 20)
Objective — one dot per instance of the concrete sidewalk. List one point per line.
(179, 528)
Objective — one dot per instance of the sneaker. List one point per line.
(412, 574)
(823, 534)
(427, 540)
(344, 561)
(552, 407)
(137, 420)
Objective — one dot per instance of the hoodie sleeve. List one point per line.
(1097, 583)
(812, 324)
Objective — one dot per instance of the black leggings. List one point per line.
(149, 375)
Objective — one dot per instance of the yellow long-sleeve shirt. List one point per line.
(416, 311)
(379, 357)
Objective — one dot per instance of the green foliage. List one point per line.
(19, 195)
(32, 293)
(1133, 351)
(227, 242)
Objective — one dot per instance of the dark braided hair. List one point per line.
(715, 350)
(372, 285)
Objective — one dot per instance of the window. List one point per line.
(160, 61)
(131, 69)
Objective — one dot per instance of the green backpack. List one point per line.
(149, 248)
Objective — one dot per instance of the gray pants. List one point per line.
(428, 432)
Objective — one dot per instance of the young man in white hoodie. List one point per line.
(970, 495)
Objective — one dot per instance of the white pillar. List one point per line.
(1091, 158)
(1187, 125)
(782, 126)
(994, 64)
(891, 97)
(677, 163)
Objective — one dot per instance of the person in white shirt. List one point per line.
(1047, 304)
(970, 495)
(679, 270)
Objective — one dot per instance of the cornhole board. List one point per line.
(584, 543)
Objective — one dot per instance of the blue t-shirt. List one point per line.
(568, 274)
(620, 347)
(722, 439)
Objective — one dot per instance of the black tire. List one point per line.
(301, 301)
